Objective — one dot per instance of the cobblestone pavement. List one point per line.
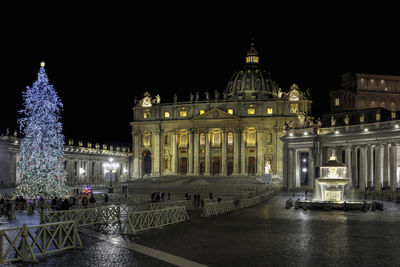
(263, 235)
(97, 253)
(270, 235)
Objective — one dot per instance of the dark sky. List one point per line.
(100, 57)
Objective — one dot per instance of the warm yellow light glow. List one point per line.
(230, 111)
(251, 111)
(166, 114)
(252, 59)
(202, 111)
(294, 108)
(270, 111)
(183, 113)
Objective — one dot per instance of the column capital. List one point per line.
(158, 132)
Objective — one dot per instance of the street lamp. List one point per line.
(111, 167)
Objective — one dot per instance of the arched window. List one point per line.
(230, 138)
(202, 139)
(251, 138)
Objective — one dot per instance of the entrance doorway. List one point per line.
(251, 167)
(183, 166)
(230, 167)
(216, 165)
(202, 167)
(147, 162)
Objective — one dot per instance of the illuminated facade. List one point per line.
(84, 164)
(235, 133)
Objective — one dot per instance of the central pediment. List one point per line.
(215, 113)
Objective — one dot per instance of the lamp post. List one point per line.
(111, 167)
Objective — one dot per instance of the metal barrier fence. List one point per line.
(27, 243)
(160, 205)
(150, 219)
(83, 217)
(214, 208)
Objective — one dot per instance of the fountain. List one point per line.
(329, 190)
(330, 185)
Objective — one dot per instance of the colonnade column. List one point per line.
(190, 151)
(136, 154)
(291, 169)
(156, 156)
(208, 154)
(363, 167)
(348, 164)
(174, 165)
(196, 152)
(243, 153)
(354, 169)
(393, 167)
(260, 151)
(311, 174)
(378, 167)
(370, 166)
(236, 152)
(386, 164)
(224, 146)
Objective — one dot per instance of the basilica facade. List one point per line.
(234, 133)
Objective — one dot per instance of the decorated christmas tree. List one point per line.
(41, 159)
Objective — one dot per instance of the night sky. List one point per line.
(99, 58)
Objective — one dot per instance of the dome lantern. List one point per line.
(252, 55)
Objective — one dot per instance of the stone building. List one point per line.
(84, 164)
(362, 130)
(364, 91)
(234, 133)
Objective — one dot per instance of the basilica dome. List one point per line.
(251, 82)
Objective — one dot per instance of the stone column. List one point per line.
(260, 151)
(136, 154)
(370, 166)
(236, 154)
(363, 167)
(311, 168)
(190, 152)
(196, 153)
(393, 167)
(224, 147)
(243, 153)
(338, 153)
(156, 156)
(348, 164)
(354, 167)
(208, 155)
(174, 163)
(386, 165)
(291, 169)
(378, 167)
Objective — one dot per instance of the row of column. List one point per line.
(239, 153)
(366, 171)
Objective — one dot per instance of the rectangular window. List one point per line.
(337, 101)
(201, 111)
(166, 114)
(93, 166)
(146, 114)
(251, 111)
(269, 111)
(230, 111)
(183, 113)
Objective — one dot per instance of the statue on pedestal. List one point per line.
(378, 115)
(267, 167)
(347, 120)
(333, 121)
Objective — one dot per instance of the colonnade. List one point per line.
(369, 166)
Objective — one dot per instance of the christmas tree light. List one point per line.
(40, 161)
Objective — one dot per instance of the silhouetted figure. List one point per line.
(105, 198)
(211, 195)
(53, 203)
(84, 202)
(65, 205)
